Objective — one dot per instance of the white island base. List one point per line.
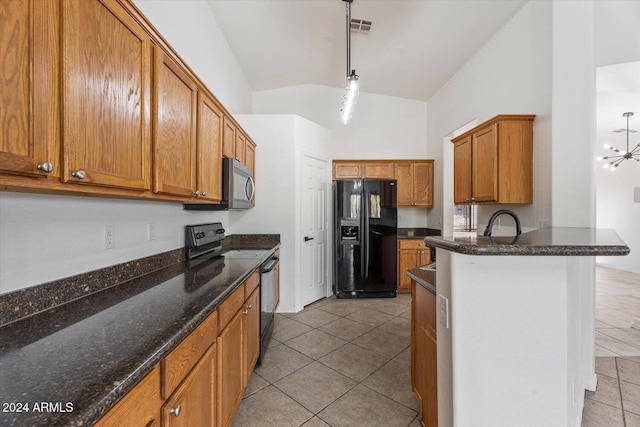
(520, 348)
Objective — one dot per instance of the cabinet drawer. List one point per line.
(184, 357)
(251, 283)
(411, 244)
(230, 306)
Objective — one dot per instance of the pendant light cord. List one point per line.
(348, 37)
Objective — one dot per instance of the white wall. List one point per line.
(511, 74)
(45, 238)
(382, 127)
(284, 137)
(191, 28)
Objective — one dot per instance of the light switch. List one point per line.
(443, 310)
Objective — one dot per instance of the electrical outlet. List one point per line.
(443, 311)
(151, 231)
(109, 236)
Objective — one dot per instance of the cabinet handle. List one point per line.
(204, 193)
(473, 199)
(176, 411)
(79, 174)
(245, 312)
(250, 306)
(196, 193)
(45, 167)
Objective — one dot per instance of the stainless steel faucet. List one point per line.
(487, 231)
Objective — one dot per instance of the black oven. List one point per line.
(269, 298)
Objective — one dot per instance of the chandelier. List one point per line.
(351, 90)
(621, 155)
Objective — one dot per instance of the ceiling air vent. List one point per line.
(623, 130)
(360, 26)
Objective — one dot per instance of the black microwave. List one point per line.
(238, 188)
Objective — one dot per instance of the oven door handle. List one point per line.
(270, 266)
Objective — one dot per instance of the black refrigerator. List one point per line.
(365, 239)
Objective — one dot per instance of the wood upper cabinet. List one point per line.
(462, 170)
(380, 170)
(493, 163)
(241, 143)
(250, 155)
(140, 407)
(424, 353)
(415, 183)
(106, 88)
(29, 120)
(209, 149)
(193, 403)
(229, 138)
(412, 253)
(347, 169)
(175, 114)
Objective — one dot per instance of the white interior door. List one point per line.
(314, 229)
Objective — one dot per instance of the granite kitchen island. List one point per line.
(516, 325)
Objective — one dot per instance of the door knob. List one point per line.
(307, 238)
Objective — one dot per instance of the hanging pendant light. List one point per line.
(351, 89)
(621, 155)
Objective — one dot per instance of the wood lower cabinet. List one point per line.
(251, 338)
(424, 353)
(193, 403)
(29, 113)
(209, 149)
(412, 253)
(106, 93)
(175, 113)
(230, 385)
(138, 408)
(493, 162)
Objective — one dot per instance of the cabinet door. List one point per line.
(241, 143)
(425, 354)
(404, 176)
(229, 139)
(485, 165)
(250, 156)
(408, 259)
(140, 407)
(209, 149)
(193, 403)
(174, 129)
(230, 382)
(347, 170)
(29, 87)
(381, 170)
(251, 319)
(423, 184)
(106, 84)
(462, 171)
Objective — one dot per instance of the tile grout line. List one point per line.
(624, 418)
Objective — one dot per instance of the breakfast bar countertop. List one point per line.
(551, 241)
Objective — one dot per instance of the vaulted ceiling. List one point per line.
(413, 48)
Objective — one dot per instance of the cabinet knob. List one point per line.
(176, 411)
(45, 167)
(250, 306)
(473, 199)
(196, 193)
(79, 174)
(204, 193)
(245, 312)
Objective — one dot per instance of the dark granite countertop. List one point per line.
(91, 351)
(417, 233)
(552, 241)
(425, 278)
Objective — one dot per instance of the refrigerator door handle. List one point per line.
(366, 242)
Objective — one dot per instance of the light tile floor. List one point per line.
(347, 363)
(616, 403)
(336, 363)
